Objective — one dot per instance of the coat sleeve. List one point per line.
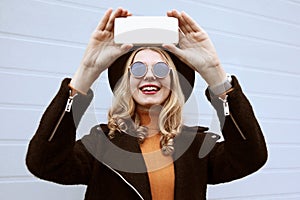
(60, 159)
(243, 150)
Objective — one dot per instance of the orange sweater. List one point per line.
(160, 168)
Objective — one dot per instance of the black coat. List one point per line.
(91, 162)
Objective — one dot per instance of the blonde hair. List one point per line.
(122, 116)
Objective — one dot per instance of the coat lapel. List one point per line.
(187, 164)
(124, 155)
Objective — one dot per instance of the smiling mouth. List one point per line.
(149, 89)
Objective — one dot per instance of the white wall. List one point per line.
(42, 41)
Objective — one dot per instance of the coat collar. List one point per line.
(126, 158)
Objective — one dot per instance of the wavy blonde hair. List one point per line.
(122, 115)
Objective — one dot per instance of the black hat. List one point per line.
(185, 73)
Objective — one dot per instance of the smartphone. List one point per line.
(146, 30)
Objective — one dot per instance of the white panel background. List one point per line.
(42, 41)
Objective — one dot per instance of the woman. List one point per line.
(145, 151)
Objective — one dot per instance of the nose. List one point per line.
(149, 75)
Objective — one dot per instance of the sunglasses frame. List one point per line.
(170, 69)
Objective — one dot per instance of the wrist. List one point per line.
(214, 76)
(222, 88)
(83, 79)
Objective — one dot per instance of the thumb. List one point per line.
(126, 47)
(173, 49)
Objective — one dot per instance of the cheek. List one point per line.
(166, 83)
(133, 85)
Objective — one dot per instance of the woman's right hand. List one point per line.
(101, 51)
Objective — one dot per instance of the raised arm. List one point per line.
(53, 153)
(196, 49)
(101, 51)
(244, 149)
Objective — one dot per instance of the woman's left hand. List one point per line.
(196, 49)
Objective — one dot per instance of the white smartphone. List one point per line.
(146, 30)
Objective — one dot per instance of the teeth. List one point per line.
(150, 88)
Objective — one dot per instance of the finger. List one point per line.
(186, 25)
(111, 21)
(181, 36)
(177, 52)
(126, 47)
(176, 14)
(126, 13)
(120, 12)
(104, 20)
(173, 49)
(193, 26)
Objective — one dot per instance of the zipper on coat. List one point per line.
(132, 187)
(225, 105)
(238, 128)
(227, 113)
(67, 109)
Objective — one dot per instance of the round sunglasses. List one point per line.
(139, 69)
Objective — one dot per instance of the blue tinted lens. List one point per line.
(161, 70)
(138, 69)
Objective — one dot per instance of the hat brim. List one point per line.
(186, 75)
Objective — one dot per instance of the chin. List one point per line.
(149, 105)
(149, 101)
